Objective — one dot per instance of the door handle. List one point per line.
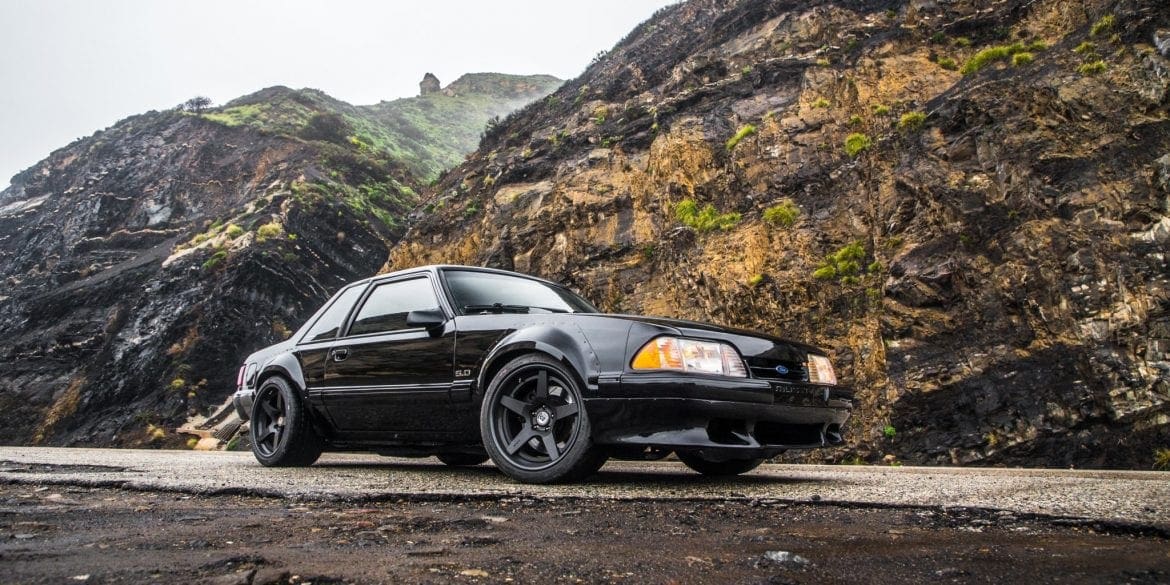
(339, 355)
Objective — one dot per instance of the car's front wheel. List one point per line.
(534, 424)
(710, 467)
(282, 435)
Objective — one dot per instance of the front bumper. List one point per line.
(717, 416)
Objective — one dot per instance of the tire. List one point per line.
(715, 468)
(534, 425)
(461, 459)
(281, 433)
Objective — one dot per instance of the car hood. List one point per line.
(685, 327)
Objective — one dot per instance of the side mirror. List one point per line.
(427, 318)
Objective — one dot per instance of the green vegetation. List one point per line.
(820, 103)
(844, 264)
(1036, 46)
(215, 260)
(648, 251)
(783, 214)
(939, 38)
(268, 230)
(1002, 53)
(747, 70)
(962, 42)
(1102, 26)
(880, 110)
(857, 143)
(855, 120)
(874, 267)
(1021, 59)
(889, 432)
(600, 114)
(948, 63)
(912, 121)
(177, 384)
(1092, 68)
(1086, 48)
(755, 280)
(1162, 459)
(824, 62)
(705, 219)
(234, 231)
(744, 132)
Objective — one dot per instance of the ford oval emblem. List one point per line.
(781, 370)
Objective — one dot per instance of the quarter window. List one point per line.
(330, 321)
(387, 306)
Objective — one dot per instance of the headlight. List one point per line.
(689, 355)
(820, 370)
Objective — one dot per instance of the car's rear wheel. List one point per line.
(461, 459)
(709, 467)
(534, 424)
(282, 435)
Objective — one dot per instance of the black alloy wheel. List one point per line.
(534, 425)
(282, 435)
(707, 466)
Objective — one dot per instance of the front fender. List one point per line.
(286, 365)
(563, 342)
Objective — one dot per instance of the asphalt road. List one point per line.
(1131, 498)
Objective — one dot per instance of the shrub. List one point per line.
(947, 63)
(705, 219)
(912, 121)
(880, 110)
(854, 120)
(889, 431)
(821, 103)
(1162, 459)
(1036, 46)
(177, 384)
(1102, 26)
(1091, 68)
(268, 230)
(825, 273)
(873, 267)
(600, 114)
(234, 231)
(744, 132)
(1085, 48)
(327, 126)
(939, 38)
(857, 143)
(755, 280)
(962, 42)
(1021, 59)
(783, 214)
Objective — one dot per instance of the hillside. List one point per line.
(966, 202)
(141, 264)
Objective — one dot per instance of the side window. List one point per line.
(331, 320)
(387, 306)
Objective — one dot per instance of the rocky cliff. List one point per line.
(965, 201)
(143, 263)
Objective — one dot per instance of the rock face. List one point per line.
(966, 202)
(428, 85)
(143, 263)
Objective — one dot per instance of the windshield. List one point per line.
(484, 292)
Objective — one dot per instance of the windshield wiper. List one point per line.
(502, 308)
(495, 308)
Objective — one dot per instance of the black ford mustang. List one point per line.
(471, 363)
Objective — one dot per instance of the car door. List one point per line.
(386, 379)
(313, 347)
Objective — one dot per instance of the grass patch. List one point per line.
(857, 143)
(233, 231)
(1086, 48)
(215, 260)
(1021, 59)
(880, 110)
(843, 265)
(783, 214)
(756, 280)
(1102, 26)
(912, 121)
(744, 132)
(820, 103)
(705, 219)
(948, 63)
(268, 230)
(1001, 53)
(1092, 68)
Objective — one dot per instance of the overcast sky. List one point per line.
(71, 67)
